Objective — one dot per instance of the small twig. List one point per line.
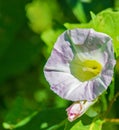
(111, 103)
(114, 121)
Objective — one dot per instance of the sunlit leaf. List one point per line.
(39, 15)
(107, 22)
(72, 26)
(49, 37)
(96, 125)
(92, 15)
(83, 120)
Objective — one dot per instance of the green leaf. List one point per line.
(83, 120)
(91, 112)
(106, 22)
(18, 115)
(48, 119)
(92, 15)
(78, 10)
(96, 125)
(79, 125)
(39, 14)
(24, 121)
(23, 117)
(116, 4)
(72, 26)
(50, 36)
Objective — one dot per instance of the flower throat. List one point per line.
(86, 69)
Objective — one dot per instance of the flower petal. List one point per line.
(88, 45)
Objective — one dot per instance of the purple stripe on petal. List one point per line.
(87, 44)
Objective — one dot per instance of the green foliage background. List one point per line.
(28, 30)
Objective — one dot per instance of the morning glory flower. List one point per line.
(80, 67)
(81, 64)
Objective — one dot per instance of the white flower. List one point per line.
(81, 65)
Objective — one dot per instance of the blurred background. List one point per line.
(28, 30)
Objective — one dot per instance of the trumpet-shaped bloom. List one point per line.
(81, 64)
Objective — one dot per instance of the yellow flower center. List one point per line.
(86, 69)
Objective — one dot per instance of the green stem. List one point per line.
(104, 101)
(114, 121)
(112, 90)
(111, 103)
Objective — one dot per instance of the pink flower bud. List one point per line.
(74, 111)
(77, 109)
